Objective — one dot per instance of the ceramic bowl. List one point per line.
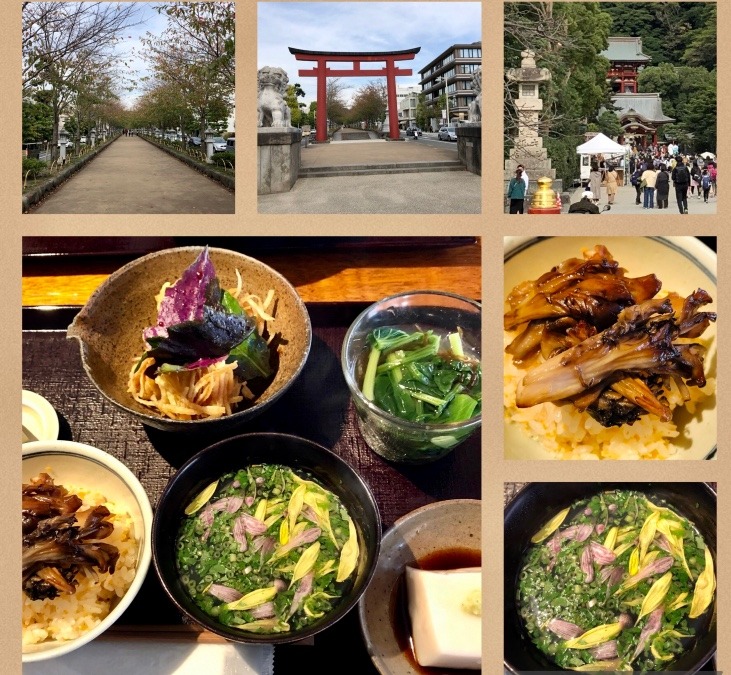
(39, 417)
(393, 438)
(442, 528)
(76, 464)
(683, 264)
(109, 329)
(232, 454)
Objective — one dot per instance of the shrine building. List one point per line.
(640, 114)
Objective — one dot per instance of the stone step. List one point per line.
(369, 169)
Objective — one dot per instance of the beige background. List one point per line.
(492, 225)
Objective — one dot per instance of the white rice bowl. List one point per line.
(560, 431)
(52, 627)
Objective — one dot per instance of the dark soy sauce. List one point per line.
(446, 559)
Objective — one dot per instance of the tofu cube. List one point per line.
(444, 608)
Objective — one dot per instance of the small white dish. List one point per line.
(39, 417)
(683, 264)
(451, 525)
(76, 464)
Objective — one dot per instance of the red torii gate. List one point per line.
(322, 72)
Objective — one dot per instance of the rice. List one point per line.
(68, 616)
(568, 433)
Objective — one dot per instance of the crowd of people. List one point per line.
(691, 176)
(652, 172)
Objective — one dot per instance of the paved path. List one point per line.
(624, 202)
(451, 192)
(133, 176)
(344, 153)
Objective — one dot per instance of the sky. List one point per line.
(361, 26)
(131, 48)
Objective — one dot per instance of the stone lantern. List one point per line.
(92, 137)
(63, 138)
(208, 134)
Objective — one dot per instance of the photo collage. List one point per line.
(260, 423)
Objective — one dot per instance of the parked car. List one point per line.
(231, 144)
(194, 140)
(447, 134)
(219, 144)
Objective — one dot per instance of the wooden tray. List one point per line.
(317, 407)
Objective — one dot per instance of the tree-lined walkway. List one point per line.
(134, 176)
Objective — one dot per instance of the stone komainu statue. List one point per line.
(272, 109)
(474, 112)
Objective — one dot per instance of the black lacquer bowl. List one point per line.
(235, 453)
(537, 503)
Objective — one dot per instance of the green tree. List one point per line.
(195, 53)
(422, 116)
(295, 106)
(37, 121)
(369, 105)
(608, 124)
(689, 96)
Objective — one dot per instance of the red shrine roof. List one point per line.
(308, 52)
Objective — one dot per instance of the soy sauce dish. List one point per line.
(610, 577)
(266, 538)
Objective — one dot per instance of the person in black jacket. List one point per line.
(681, 181)
(662, 187)
(585, 204)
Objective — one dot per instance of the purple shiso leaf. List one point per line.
(194, 365)
(651, 627)
(564, 629)
(211, 337)
(587, 564)
(184, 300)
(303, 590)
(224, 593)
(263, 611)
(606, 650)
(602, 555)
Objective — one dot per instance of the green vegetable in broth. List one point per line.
(616, 582)
(266, 550)
(412, 376)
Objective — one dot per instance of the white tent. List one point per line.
(600, 145)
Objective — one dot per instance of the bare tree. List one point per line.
(54, 31)
(63, 41)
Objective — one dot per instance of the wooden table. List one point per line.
(63, 272)
(333, 271)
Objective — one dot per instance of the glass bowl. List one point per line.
(391, 437)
